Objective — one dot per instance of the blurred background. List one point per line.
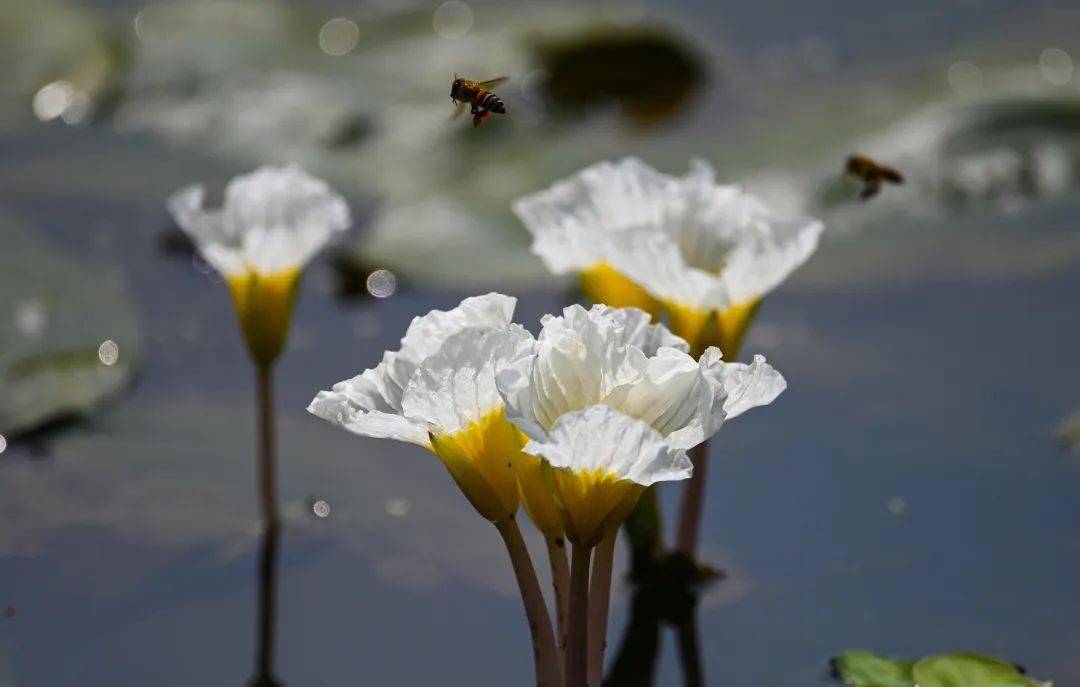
(914, 491)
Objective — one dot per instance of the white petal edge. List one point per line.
(568, 219)
(338, 409)
(456, 387)
(426, 334)
(371, 403)
(747, 386)
(282, 216)
(678, 396)
(601, 438)
(206, 230)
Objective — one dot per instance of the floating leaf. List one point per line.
(867, 669)
(69, 337)
(966, 670)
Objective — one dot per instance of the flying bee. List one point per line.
(872, 174)
(478, 96)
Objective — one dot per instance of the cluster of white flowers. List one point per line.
(575, 422)
(598, 391)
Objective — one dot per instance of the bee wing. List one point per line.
(871, 189)
(489, 85)
(459, 110)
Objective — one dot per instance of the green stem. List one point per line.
(599, 605)
(545, 656)
(577, 674)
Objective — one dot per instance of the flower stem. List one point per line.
(693, 501)
(560, 582)
(599, 603)
(267, 472)
(577, 623)
(267, 612)
(545, 656)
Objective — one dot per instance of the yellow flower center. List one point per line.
(264, 305)
(537, 494)
(603, 284)
(481, 459)
(724, 329)
(593, 503)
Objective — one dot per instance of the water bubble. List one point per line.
(30, 318)
(3, 443)
(108, 352)
(381, 283)
(52, 100)
(453, 19)
(339, 36)
(965, 78)
(1056, 66)
(321, 509)
(896, 505)
(398, 508)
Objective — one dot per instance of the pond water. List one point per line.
(908, 494)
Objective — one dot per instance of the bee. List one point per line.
(478, 96)
(872, 175)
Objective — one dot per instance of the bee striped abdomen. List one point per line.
(490, 101)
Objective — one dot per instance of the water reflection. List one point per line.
(266, 623)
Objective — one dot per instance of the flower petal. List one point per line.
(679, 397)
(455, 388)
(371, 402)
(747, 386)
(281, 216)
(685, 240)
(206, 230)
(582, 358)
(337, 407)
(568, 219)
(601, 439)
(426, 334)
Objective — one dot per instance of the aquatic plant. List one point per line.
(272, 223)
(697, 255)
(867, 669)
(575, 424)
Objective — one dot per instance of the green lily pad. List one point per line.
(867, 669)
(70, 338)
(966, 670)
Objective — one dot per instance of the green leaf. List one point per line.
(966, 670)
(56, 311)
(867, 669)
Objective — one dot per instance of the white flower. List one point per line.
(371, 403)
(438, 391)
(612, 401)
(273, 220)
(698, 248)
(614, 357)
